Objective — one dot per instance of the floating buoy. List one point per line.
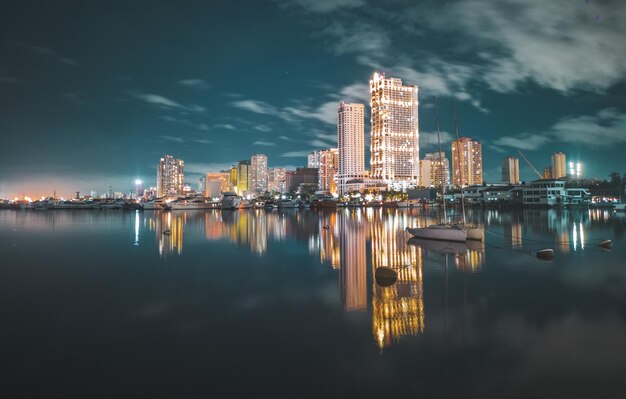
(545, 254)
(385, 277)
(606, 244)
(327, 227)
(167, 232)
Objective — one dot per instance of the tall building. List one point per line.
(277, 180)
(467, 162)
(232, 179)
(329, 166)
(243, 177)
(558, 165)
(395, 133)
(216, 183)
(302, 178)
(258, 173)
(170, 176)
(510, 170)
(313, 159)
(434, 170)
(351, 141)
(547, 172)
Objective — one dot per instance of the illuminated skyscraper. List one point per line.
(313, 159)
(547, 172)
(216, 183)
(243, 177)
(395, 133)
(467, 162)
(434, 170)
(558, 165)
(170, 176)
(277, 180)
(232, 179)
(510, 170)
(258, 173)
(351, 140)
(329, 166)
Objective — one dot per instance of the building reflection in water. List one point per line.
(159, 222)
(353, 256)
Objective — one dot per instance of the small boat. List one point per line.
(324, 202)
(193, 203)
(286, 203)
(448, 232)
(606, 244)
(167, 232)
(245, 204)
(155, 204)
(545, 254)
(230, 200)
(385, 276)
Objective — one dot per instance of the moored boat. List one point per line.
(230, 201)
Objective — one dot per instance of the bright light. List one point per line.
(138, 182)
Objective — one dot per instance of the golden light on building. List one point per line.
(172, 242)
(353, 275)
(467, 162)
(395, 134)
(328, 169)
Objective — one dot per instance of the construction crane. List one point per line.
(530, 164)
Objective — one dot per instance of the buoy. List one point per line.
(385, 277)
(167, 232)
(327, 227)
(606, 244)
(545, 254)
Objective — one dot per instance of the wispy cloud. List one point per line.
(198, 84)
(165, 102)
(324, 6)
(186, 122)
(295, 154)
(263, 128)
(173, 138)
(264, 143)
(45, 53)
(14, 80)
(202, 168)
(430, 140)
(226, 126)
(526, 141)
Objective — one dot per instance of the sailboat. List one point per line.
(459, 232)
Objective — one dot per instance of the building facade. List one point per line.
(558, 165)
(329, 167)
(351, 142)
(301, 178)
(467, 162)
(217, 183)
(243, 177)
(395, 133)
(434, 170)
(258, 173)
(170, 176)
(313, 159)
(277, 180)
(510, 170)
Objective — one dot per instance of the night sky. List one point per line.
(92, 94)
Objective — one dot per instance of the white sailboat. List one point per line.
(445, 231)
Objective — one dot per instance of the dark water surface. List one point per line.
(102, 304)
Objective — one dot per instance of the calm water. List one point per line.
(283, 304)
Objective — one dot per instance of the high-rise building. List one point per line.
(216, 183)
(232, 179)
(243, 177)
(351, 141)
(329, 166)
(313, 159)
(395, 133)
(277, 180)
(467, 162)
(170, 176)
(302, 178)
(547, 172)
(258, 173)
(434, 170)
(558, 165)
(510, 170)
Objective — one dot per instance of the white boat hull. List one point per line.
(447, 232)
(231, 202)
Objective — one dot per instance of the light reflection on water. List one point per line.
(486, 298)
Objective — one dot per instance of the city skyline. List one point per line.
(75, 116)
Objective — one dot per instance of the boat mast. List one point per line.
(443, 185)
(456, 129)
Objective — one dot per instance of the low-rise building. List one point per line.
(545, 192)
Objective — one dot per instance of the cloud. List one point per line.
(606, 128)
(524, 141)
(356, 36)
(227, 126)
(324, 6)
(429, 139)
(159, 100)
(557, 44)
(263, 128)
(185, 122)
(285, 138)
(173, 138)
(264, 143)
(73, 98)
(202, 168)
(14, 80)
(198, 84)
(53, 56)
(327, 112)
(203, 141)
(295, 154)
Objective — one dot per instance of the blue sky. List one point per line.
(93, 94)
